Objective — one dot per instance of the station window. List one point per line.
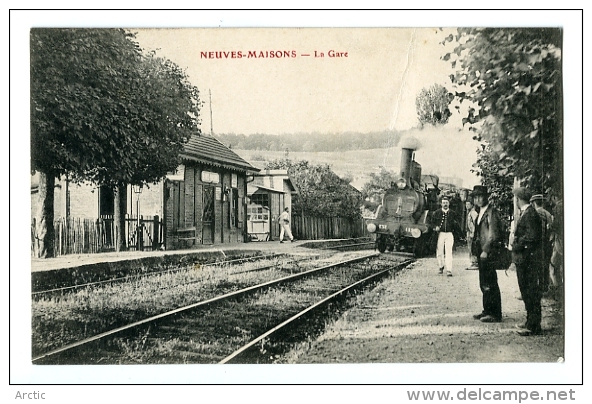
(260, 199)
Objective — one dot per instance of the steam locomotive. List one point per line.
(402, 221)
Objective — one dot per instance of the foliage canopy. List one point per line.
(103, 111)
(499, 185)
(374, 189)
(432, 105)
(513, 78)
(321, 192)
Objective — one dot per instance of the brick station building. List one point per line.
(205, 201)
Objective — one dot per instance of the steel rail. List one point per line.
(307, 310)
(198, 304)
(349, 245)
(171, 270)
(245, 259)
(317, 257)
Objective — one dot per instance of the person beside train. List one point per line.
(486, 247)
(472, 215)
(446, 223)
(527, 255)
(284, 222)
(547, 239)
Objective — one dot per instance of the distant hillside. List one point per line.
(443, 151)
(353, 164)
(311, 142)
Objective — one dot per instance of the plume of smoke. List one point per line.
(410, 142)
(443, 150)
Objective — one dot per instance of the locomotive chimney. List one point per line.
(405, 171)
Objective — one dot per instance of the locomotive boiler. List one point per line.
(401, 221)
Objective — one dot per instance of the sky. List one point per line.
(327, 80)
(370, 86)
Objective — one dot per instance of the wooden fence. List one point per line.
(318, 228)
(88, 236)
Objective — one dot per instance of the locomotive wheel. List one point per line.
(419, 247)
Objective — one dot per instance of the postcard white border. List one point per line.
(22, 372)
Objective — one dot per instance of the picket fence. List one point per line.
(88, 236)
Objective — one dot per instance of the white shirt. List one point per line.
(481, 212)
(285, 217)
(521, 212)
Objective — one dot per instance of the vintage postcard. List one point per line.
(376, 197)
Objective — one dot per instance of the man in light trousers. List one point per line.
(446, 223)
(284, 221)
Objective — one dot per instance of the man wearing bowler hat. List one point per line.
(486, 243)
(527, 254)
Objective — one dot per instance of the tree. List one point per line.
(321, 191)
(513, 78)
(493, 175)
(432, 105)
(347, 177)
(373, 190)
(102, 111)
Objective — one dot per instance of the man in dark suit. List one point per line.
(527, 254)
(446, 223)
(486, 245)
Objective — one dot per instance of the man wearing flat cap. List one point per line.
(527, 256)
(486, 243)
(546, 217)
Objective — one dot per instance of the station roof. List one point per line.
(209, 150)
(252, 188)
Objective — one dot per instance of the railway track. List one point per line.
(62, 319)
(366, 245)
(353, 246)
(248, 354)
(133, 277)
(182, 334)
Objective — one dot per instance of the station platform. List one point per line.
(74, 269)
(76, 260)
(420, 316)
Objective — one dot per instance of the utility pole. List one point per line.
(211, 120)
